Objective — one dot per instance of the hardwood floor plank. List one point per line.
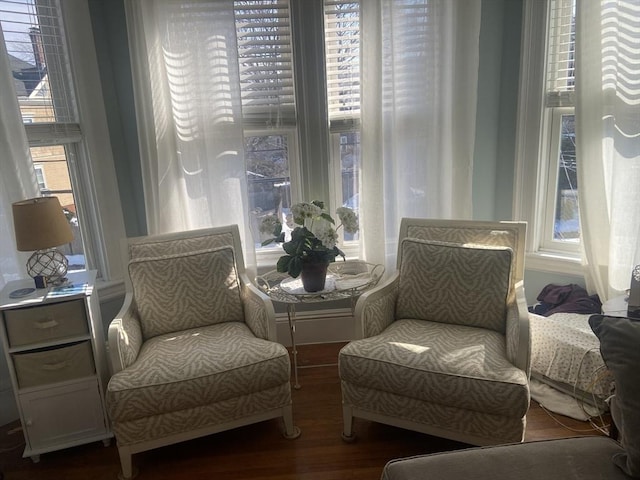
(259, 452)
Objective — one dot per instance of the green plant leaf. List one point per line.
(291, 247)
(283, 263)
(299, 233)
(328, 218)
(295, 266)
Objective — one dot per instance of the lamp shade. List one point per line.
(40, 223)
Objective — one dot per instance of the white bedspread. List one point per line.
(565, 350)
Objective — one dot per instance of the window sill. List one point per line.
(554, 263)
(110, 290)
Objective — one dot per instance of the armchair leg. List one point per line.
(127, 472)
(290, 430)
(347, 429)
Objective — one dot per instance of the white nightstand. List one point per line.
(54, 346)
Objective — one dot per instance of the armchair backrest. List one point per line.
(456, 284)
(185, 242)
(185, 280)
(496, 234)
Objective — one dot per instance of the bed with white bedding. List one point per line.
(565, 354)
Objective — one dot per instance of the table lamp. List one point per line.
(40, 225)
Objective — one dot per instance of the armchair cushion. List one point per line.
(202, 366)
(186, 290)
(435, 276)
(434, 362)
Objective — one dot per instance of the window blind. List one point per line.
(560, 70)
(35, 46)
(342, 53)
(265, 62)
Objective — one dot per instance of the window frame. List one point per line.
(351, 248)
(89, 155)
(40, 174)
(536, 160)
(315, 162)
(99, 197)
(553, 131)
(269, 255)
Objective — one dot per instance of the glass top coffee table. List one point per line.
(345, 280)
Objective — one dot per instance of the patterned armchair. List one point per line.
(192, 349)
(443, 345)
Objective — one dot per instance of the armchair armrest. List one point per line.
(125, 336)
(259, 314)
(375, 309)
(517, 332)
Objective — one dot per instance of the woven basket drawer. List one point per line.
(47, 322)
(54, 365)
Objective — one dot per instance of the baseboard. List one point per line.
(319, 326)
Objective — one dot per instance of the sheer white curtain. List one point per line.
(187, 96)
(608, 140)
(420, 70)
(17, 177)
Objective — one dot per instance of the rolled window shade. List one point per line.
(265, 62)
(39, 62)
(560, 69)
(342, 52)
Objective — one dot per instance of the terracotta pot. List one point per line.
(313, 276)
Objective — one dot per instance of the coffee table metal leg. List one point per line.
(291, 315)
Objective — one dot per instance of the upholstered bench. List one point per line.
(582, 458)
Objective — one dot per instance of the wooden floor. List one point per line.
(259, 451)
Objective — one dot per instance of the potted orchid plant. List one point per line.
(313, 242)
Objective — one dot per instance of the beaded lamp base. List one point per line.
(50, 264)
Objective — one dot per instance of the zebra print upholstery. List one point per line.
(193, 348)
(439, 348)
